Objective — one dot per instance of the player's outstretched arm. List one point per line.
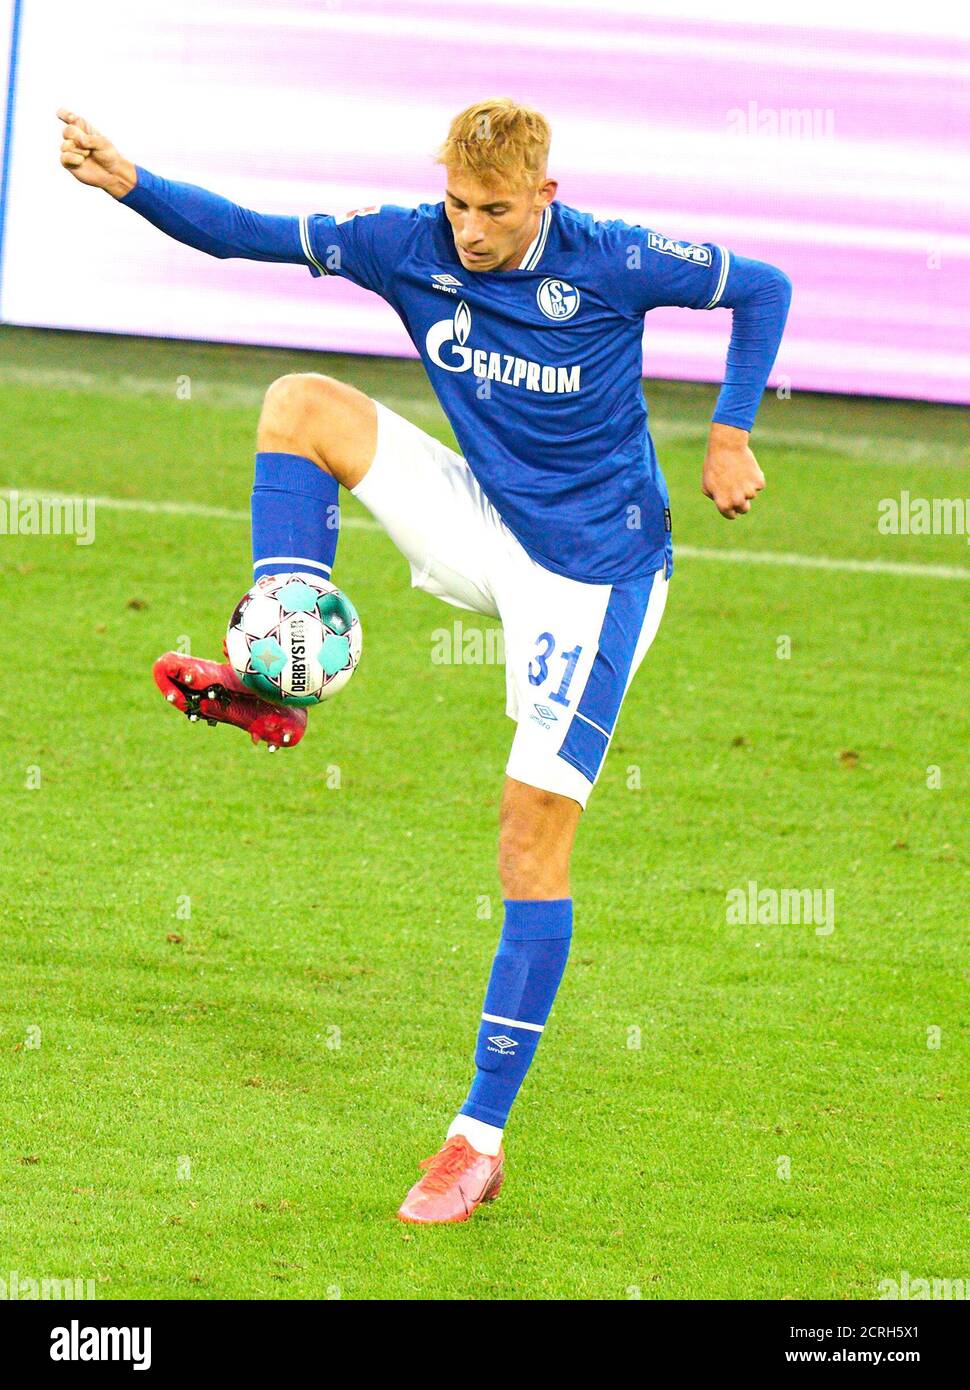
(191, 215)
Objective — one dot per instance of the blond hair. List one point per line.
(498, 139)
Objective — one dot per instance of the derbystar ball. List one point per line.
(294, 638)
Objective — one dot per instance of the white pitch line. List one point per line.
(823, 562)
(894, 450)
(681, 552)
(139, 504)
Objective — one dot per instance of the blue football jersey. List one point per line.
(539, 369)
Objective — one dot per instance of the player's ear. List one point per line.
(546, 192)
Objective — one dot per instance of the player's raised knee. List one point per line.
(297, 397)
(327, 421)
(300, 415)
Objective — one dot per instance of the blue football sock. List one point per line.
(296, 516)
(525, 975)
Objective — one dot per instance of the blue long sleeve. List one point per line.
(759, 296)
(214, 224)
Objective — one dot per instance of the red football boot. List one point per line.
(457, 1179)
(212, 691)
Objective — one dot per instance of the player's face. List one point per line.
(494, 223)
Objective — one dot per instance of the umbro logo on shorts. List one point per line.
(544, 716)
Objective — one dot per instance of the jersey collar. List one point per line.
(536, 247)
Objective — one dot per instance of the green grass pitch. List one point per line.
(238, 1002)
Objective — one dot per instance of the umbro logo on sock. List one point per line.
(503, 1045)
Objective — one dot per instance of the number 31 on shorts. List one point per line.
(539, 666)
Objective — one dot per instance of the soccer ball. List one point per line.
(294, 638)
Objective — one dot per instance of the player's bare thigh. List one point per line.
(332, 424)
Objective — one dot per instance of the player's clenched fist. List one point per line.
(91, 157)
(732, 476)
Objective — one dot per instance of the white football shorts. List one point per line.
(571, 649)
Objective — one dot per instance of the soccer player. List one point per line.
(528, 317)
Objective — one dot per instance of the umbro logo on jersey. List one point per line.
(448, 283)
(684, 250)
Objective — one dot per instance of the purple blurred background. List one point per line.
(840, 154)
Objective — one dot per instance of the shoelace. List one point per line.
(444, 1166)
